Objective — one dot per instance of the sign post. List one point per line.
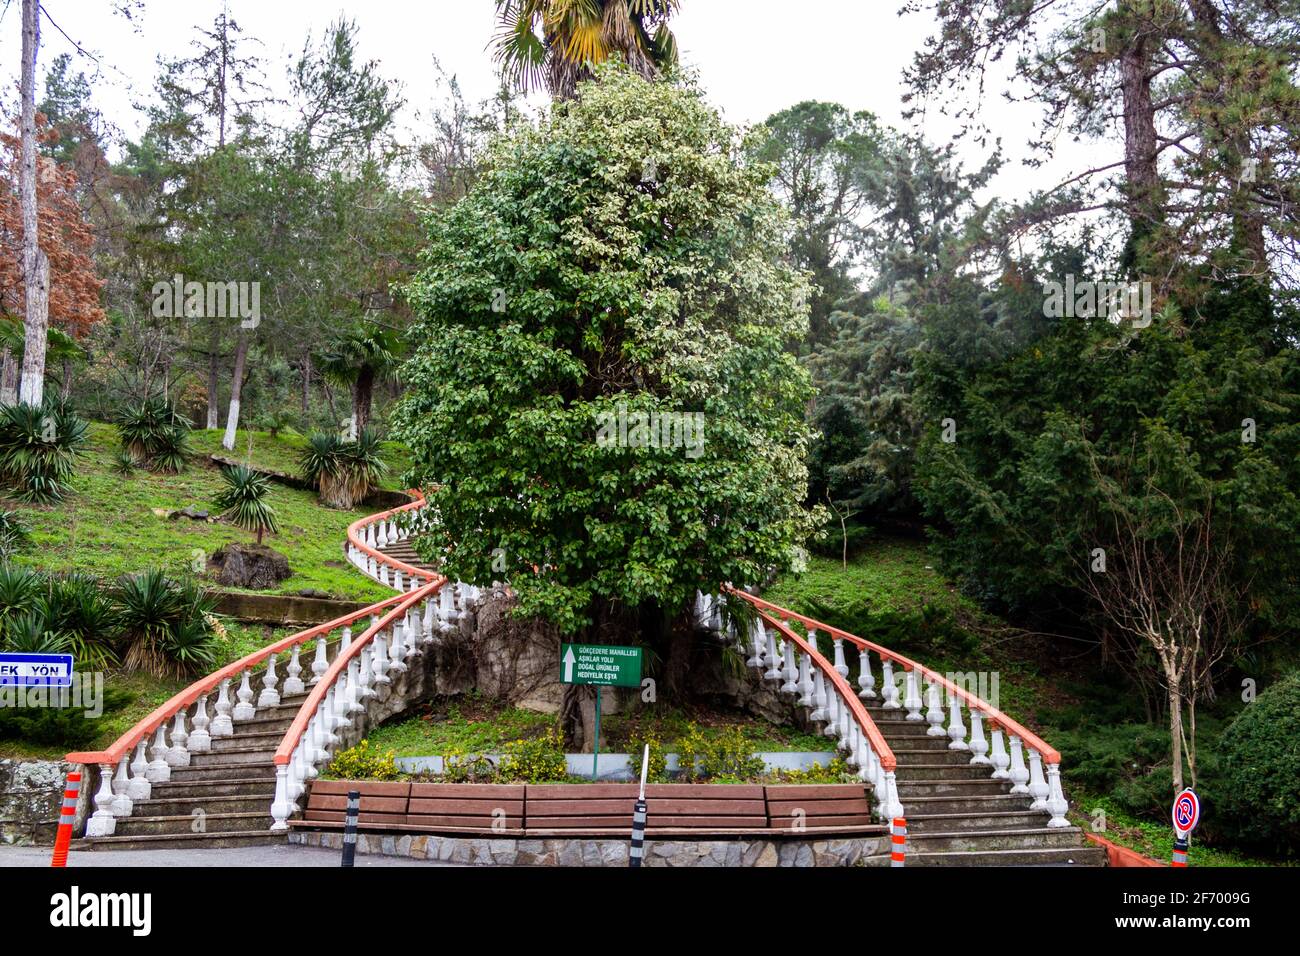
(601, 666)
(1186, 814)
(36, 670)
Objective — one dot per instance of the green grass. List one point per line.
(280, 452)
(107, 524)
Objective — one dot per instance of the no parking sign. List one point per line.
(1187, 811)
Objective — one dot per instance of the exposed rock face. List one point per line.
(248, 566)
(31, 798)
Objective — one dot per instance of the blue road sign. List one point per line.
(36, 670)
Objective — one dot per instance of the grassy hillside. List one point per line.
(109, 525)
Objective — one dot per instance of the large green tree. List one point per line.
(569, 286)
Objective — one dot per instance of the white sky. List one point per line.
(754, 57)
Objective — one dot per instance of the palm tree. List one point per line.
(362, 357)
(557, 42)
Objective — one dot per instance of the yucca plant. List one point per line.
(154, 435)
(14, 534)
(38, 448)
(166, 625)
(79, 608)
(30, 633)
(19, 590)
(344, 472)
(243, 501)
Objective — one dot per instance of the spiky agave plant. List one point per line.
(363, 464)
(38, 449)
(167, 628)
(79, 608)
(244, 500)
(321, 464)
(154, 434)
(14, 534)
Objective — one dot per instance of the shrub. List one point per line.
(67, 728)
(166, 624)
(38, 448)
(690, 747)
(730, 755)
(78, 608)
(243, 501)
(362, 763)
(539, 760)
(658, 769)
(1259, 764)
(154, 434)
(460, 767)
(344, 472)
(14, 534)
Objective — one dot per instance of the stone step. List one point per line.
(996, 839)
(265, 740)
(221, 772)
(933, 770)
(966, 804)
(899, 742)
(191, 841)
(209, 803)
(233, 756)
(925, 822)
(184, 823)
(1034, 856)
(263, 725)
(931, 787)
(223, 787)
(957, 758)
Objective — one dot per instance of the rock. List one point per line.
(189, 511)
(248, 566)
(315, 593)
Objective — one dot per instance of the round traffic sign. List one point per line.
(1187, 811)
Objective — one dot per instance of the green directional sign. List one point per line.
(597, 664)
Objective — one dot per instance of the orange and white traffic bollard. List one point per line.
(66, 818)
(1180, 850)
(898, 834)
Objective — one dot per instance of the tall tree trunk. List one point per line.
(66, 388)
(1141, 172)
(1175, 724)
(236, 387)
(8, 379)
(214, 369)
(306, 386)
(363, 394)
(36, 267)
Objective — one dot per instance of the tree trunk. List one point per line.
(236, 387)
(306, 386)
(214, 369)
(1140, 169)
(36, 267)
(362, 397)
(1176, 726)
(66, 388)
(8, 379)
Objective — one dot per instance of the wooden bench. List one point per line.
(690, 810)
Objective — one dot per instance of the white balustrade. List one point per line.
(177, 755)
(866, 680)
(956, 730)
(1056, 802)
(913, 699)
(841, 668)
(1019, 775)
(293, 683)
(222, 725)
(140, 787)
(320, 662)
(773, 671)
(200, 740)
(998, 755)
(159, 771)
(102, 823)
(122, 803)
(888, 686)
(1038, 788)
(269, 697)
(244, 709)
(979, 747)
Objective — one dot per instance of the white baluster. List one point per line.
(158, 771)
(244, 709)
(320, 662)
(956, 730)
(397, 580)
(979, 747)
(222, 726)
(177, 755)
(345, 641)
(913, 699)
(1056, 802)
(354, 687)
(1038, 788)
(368, 536)
(412, 639)
(998, 756)
(773, 671)
(934, 714)
(269, 697)
(756, 638)
(379, 659)
(372, 566)
(851, 741)
(395, 662)
(1019, 775)
(893, 806)
(140, 788)
(819, 697)
(367, 675)
(832, 710)
(790, 657)
(293, 683)
(805, 681)
(102, 823)
(841, 668)
(383, 574)
(282, 808)
(122, 802)
(888, 687)
(426, 627)
(866, 680)
(200, 736)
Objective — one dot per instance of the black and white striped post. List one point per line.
(637, 849)
(350, 828)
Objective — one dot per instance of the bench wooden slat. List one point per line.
(463, 820)
(332, 801)
(580, 791)
(818, 808)
(373, 788)
(732, 807)
(468, 791)
(706, 791)
(820, 791)
(471, 807)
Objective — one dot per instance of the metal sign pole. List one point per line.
(637, 849)
(595, 756)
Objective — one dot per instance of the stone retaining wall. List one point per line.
(482, 851)
(31, 796)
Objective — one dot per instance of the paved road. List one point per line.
(261, 856)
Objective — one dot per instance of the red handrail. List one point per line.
(856, 708)
(357, 541)
(208, 684)
(1031, 740)
(284, 753)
